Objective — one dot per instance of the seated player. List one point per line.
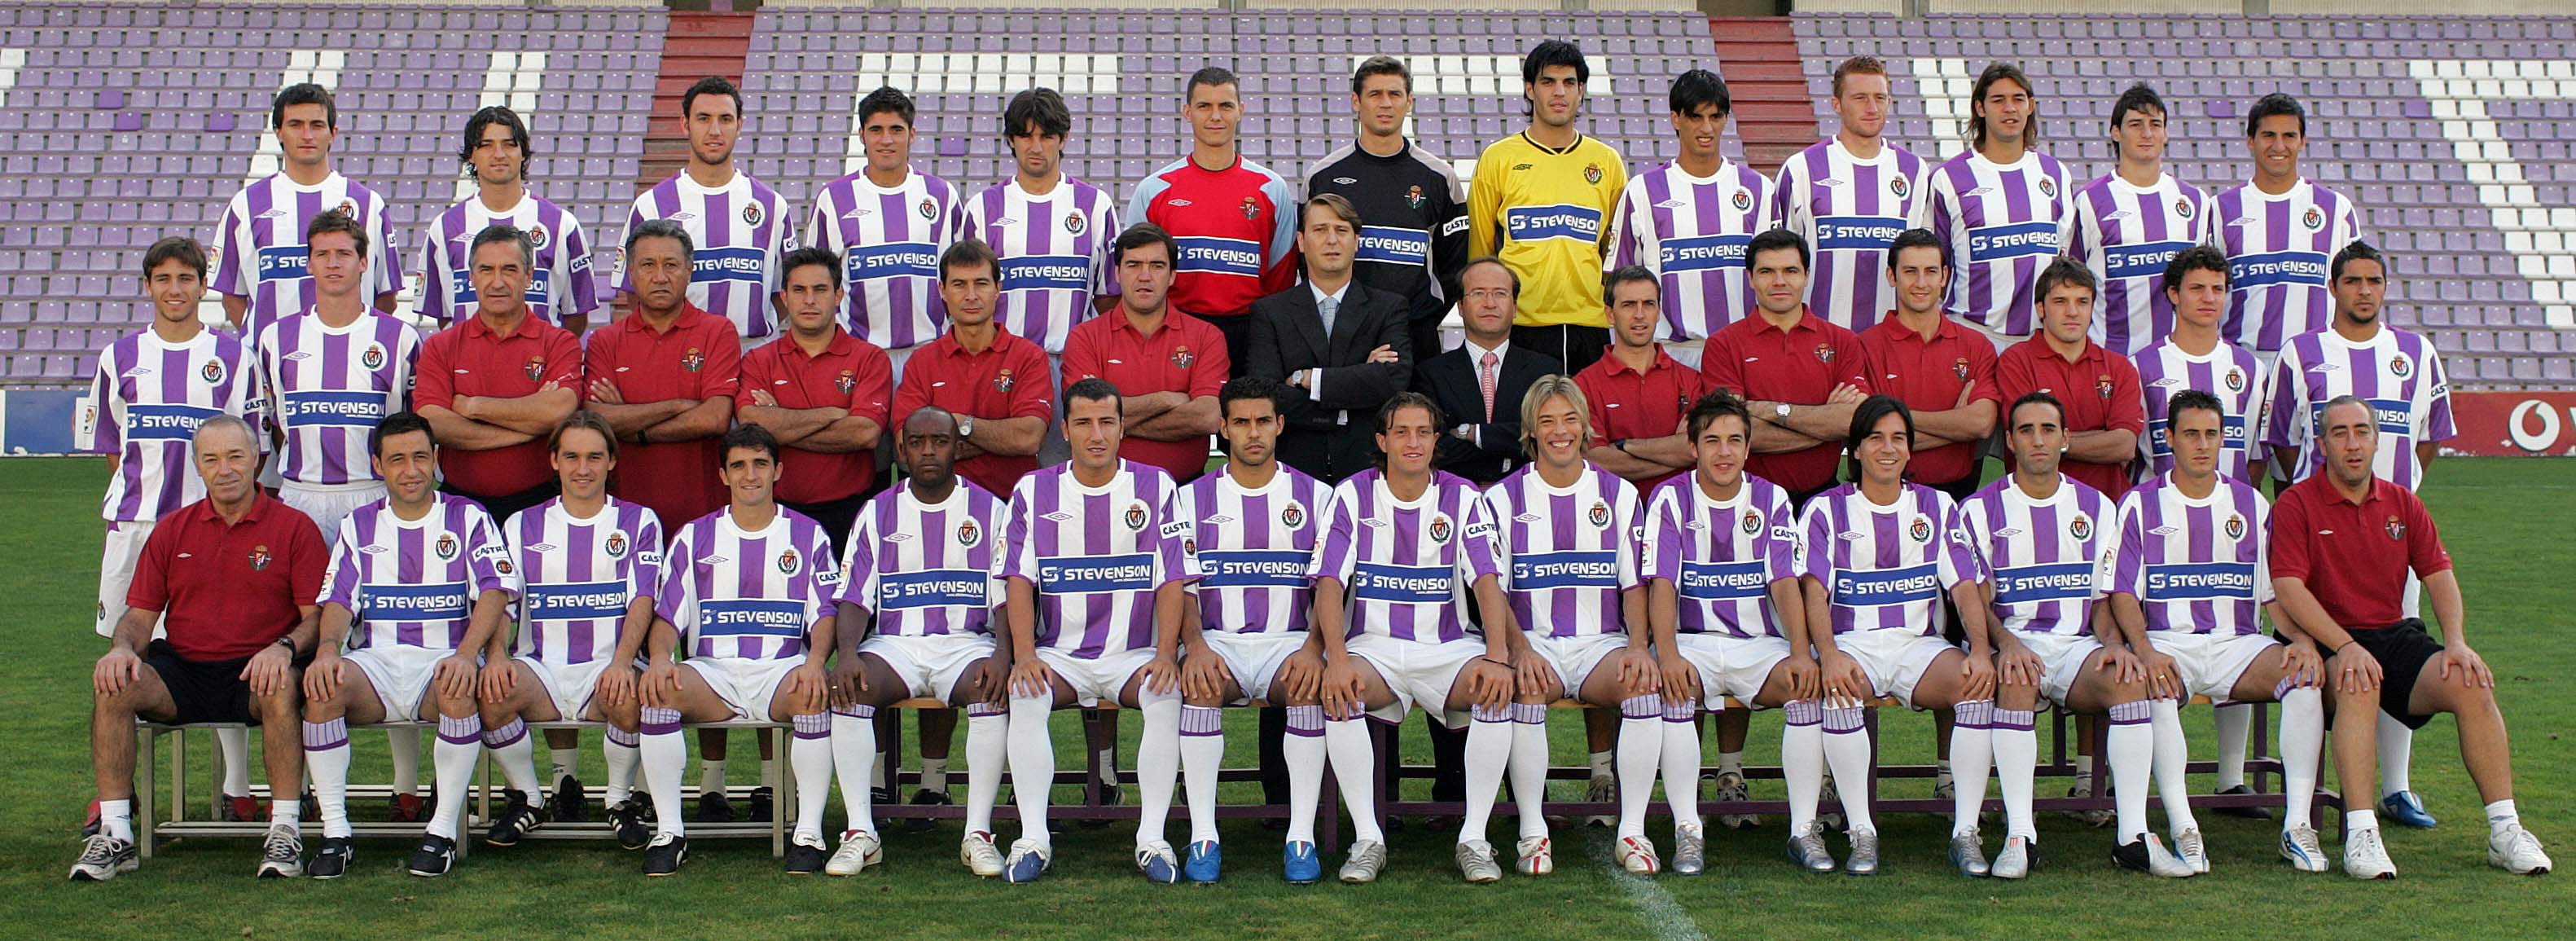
(916, 620)
(419, 582)
(1874, 557)
(1092, 559)
(1409, 544)
(2040, 538)
(1565, 530)
(586, 566)
(1727, 618)
(2189, 578)
(1248, 536)
(746, 601)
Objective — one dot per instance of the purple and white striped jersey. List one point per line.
(1721, 555)
(1247, 550)
(2045, 561)
(889, 240)
(1055, 254)
(1849, 210)
(1692, 232)
(560, 287)
(2278, 251)
(144, 406)
(2230, 372)
(2001, 223)
(412, 583)
(1409, 567)
(1096, 555)
(1567, 553)
(2397, 371)
(2128, 234)
(740, 232)
(328, 387)
(577, 576)
(259, 247)
(1884, 566)
(2195, 566)
(925, 569)
(751, 595)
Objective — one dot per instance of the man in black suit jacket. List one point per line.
(1484, 439)
(1337, 368)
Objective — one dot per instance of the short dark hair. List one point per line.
(2358, 250)
(2139, 97)
(886, 98)
(398, 423)
(1381, 65)
(1546, 55)
(1245, 389)
(747, 435)
(1700, 87)
(1209, 75)
(337, 221)
(1140, 235)
(1404, 400)
(303, 93)
(2195, 258)
(661, 229)
(181, 247)
(1718, 403)
(1041, 107)
(503, 232)
(485, 118)
(2061, 272)
(2274, 105)
(710, 85)
(583, 418)
(1997, 72)
(1865, 416)
(810, 255)
(1857, 65)
(1917, 238)
(1628, 274)
(2034, 397)
(1772, 240)
(2188, 399)
(1489, 260)
(1093, 389)
(969, 253)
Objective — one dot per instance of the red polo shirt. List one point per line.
(851, 374)
(1927, 374)
(228, 589)
(699, 357)
(1006, 380)
(1800, 366)
(1186, 355)
(2354, 556)
(469, 359)
(1631, 404)
(2099, 389)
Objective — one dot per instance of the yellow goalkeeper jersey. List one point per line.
(1546, 214)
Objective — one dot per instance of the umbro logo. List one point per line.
(1373, 523)
(1849, 536)
(1527, 518)
(2008, 532)
(542, 547)
(681, 216)
(940, 384)
(298, 356)
(1218, 520)
(898, 537)
(2163, 531)
(1005, 222)
(859, 213)
(1177, 203)
(1669, 204)
(1974, 193)
(1059, 517)
(272, 214)
(1343, 181)
(187, 555)
(2117, 216)
(463, 238)
(2166, 382)
(372, 550)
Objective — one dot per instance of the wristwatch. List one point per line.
(1781, 409)
(965, 426)
(1621, 444)
(289, 644)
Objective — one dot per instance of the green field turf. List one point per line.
(2507, 523)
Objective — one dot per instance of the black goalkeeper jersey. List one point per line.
(1413, 222)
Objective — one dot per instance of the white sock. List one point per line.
(1972, 756)
(2172, 763)
(854, 755)
(1528, 766)
(619, 748)
(405, 742)
(116, 819)
(286, 813)
(236, 750)
(663, 753)
(1303, 750)
(563, 762)
(2016, 762)
(2129, 746)
(711, 775)
(1355, 769)
(326, 762)
(2501, 816)
(2358, 820)
(1601, 762)
(1640, 751)
(987, 754)
(1680, 763)
(1488, 753)
(1802, 761)
(452, 759)
(1941, 769)
(934, 775)
(1847, 752)
(1728, 762)
(2396, 754)
(1032, 756)
(878, 766)
(1105, 761)
(2235, 723)
(1202, 745)
(809, 758)
(2303, 740)
(1158, 763)
(516, 752)
(2083, 770)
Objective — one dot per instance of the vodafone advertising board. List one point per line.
(2513, 424)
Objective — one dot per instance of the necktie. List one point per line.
(1328, 306)
(1485, 380)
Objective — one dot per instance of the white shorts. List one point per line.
(327, 505)
(929, 665)
(1096, 680)
(1685, 352)
(400, 673)
(745, 684)
(1418, 672)
(116, 573)
(2211, 663)
(1894, 660)
(2001, 340)
(1574, 657)
(570, 685)
(1730, 665)
(1254, 659)
(2062, 659)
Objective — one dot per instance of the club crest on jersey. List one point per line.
(2235, 527)
(501, 565)
(848, 380)
(2102, 384)
(2235, 379)
(349, 208)
(1413, 197)
(928, 210)
(1960, 369)
(2081, 527)
(1920, 529)
(1824, 353)
(259, 558)
(1292, 516)
(1895, 185)
(1752, 522)
(1743, 200)
(693, 360)
(751, 213)
(2182, 207)
(373, 357)
(536, 368)
(1073, 223)
(1439, 528)
(445, 546)
(2048, 187)
(1592, 173)
(214, 258)
(787, 561)
(1135, 516)
(1600, 514)
(212, 372)
(968, 533)
(1182, 357)
(616, 546)
(2399, 366)
(537, 235)
(1002, 381)
(2313, 219)
(2396, 529)
(1251, 208)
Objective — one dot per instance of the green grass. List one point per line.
(2506, 522)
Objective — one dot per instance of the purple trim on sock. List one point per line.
(507, 735)
(1531, 713)
(2132, 713)
(1202, 721)
(1803, 712)
(1306, 721)
(1647, 706)
(977, 710)
(1843, 720)
(465, 731)
(658, 721)
(623, 739)
(1680, 711)
(324, 735)
(1502, 713)
(813, 725)
(1975, 715)
(2280, 689)
(2015, 720)
(856, 712)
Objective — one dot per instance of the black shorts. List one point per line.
(201, 690)
(2402, 650)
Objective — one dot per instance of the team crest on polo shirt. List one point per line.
(928, 209)
(536, 368)
(751, 213)
(787, 561)
(693, 360)
(2081, 527)
(1439, 528)
(1743, 199)
(1292, 516)
(212, 372)
(2235, 379)
(1413, 197)
(2235, 527)
(373, 357)
(1600, 514)
(445, 546)
(2396, 529)
(1824, 353)
(2313, 219)
(1592, 173)
(1920, 529)
(1895, 185)
(968, 533)
(1752, 522)
(616, 547)
(537, 235)
(259, 558)
(848, 380)
(1251, 208)
(2182, 207)
(2102, 384)
(1960, 369)
(1073, 223)
(2400, 366)
(2048, 187)
(1182, 357)
(1135, 516)
(1002, 381)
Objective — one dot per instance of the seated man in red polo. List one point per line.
(1166, 364)
(234, 575)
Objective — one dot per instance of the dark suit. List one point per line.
(1332, 437)
(1450, 380)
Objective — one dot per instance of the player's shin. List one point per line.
(1158, 762)
(809, 758)
(1202, 744)
(1528, 766)
(1303, 750)
(987, 749)
(854, 758)
(1489, 751)
(2303, 736)
(619, 747)
(1802, 760)
(1680, 761)
(326, 757)
(2016, 762)
(2172, 765)
(516, 752)
(1032, 764)
(1641, 750)
(664, 754)
(2234, 724)
(1847, 752)
(1355, 770)
(452, 760)
(2129, 746)
(1972, 755)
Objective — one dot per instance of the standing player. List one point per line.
(737, 226)
(2195, 357)
(1166, 365)
(2096, 389)
(2128, 225)
(992, 380)
(822, 392)
(1849, 196)
(331, 372)
(1050, 231)
(1092, 559)
(664, 377)
(1689, 221)
(1799, 374)
(1639, 392)
(1541, 201)
(887, 224)
(560, 289)
(2280, 232)
(1417, 237)
(419, 581)
(259, 245)
(1998, 207)
(747, 601)
(495, 385)
(1234, 220)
